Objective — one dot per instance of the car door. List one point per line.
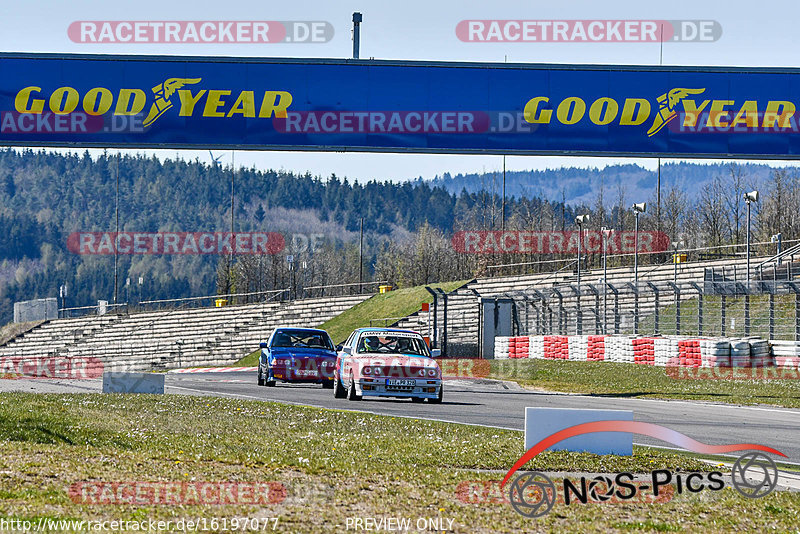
(345, 356)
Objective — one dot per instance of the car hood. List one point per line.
(297, 352)
(398, 360)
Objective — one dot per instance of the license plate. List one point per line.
(303, 372)
(400, 382)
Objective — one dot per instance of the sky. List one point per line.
(752, 34)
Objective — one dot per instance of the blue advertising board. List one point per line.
(398, 106)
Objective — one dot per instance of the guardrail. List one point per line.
(335, 290)
(66, 313)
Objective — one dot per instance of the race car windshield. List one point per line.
(387, 343)
(303, 339)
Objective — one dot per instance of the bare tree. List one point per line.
(713, 212)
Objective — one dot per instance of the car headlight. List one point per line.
(432, 373)
(421, 372)
(377, 371)
(366, 370)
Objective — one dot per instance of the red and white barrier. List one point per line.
(501, 348)
(644, 351)
(666, 351)
(578, 348)
(596, 348)
(651, 350)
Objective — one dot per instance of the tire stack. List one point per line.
(501, 348)
(522, 347)
(689, 353)
(578, 348)
(666, 351)
(760, 355)
(619, 349)
(643, 350)
(715, 353)
(596, 348)
(786, 354)
(536, 347)
(740, 353)
(556, 347)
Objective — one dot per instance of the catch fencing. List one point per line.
(768, 309)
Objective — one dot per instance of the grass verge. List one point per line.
(394, 304)
(334, 464)
(644, 381)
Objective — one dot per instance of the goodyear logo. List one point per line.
(191, 100)
(686, 103)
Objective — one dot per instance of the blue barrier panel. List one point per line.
(394, 106)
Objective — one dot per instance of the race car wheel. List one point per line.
(339, 391)
(261, 380)
(438, 400)
(351, 390)
(270, 381)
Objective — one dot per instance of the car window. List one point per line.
(349, 341)
(388, 343)
(305, 339)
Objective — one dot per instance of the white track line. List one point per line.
(237, 395)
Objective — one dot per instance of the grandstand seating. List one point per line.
(173, 338)
(220, 336)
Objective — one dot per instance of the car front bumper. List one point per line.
(424, 388)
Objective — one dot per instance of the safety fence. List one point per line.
(680, 351)
(764, 308)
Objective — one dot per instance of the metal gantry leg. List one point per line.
(656, 326)
(700, 293)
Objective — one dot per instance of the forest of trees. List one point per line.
(45, 196)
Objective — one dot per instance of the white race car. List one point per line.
(387, 362)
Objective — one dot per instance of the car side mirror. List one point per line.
(339, 348)
(436, 353)
(262, 345)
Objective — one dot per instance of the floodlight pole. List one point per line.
(636, 248)
(116, 236)
(748, 244)
(580, 231)
(361, 257)
(604, 239)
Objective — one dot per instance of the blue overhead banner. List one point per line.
(394, 106)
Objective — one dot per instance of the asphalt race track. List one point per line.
(490, 403)
(493, 403)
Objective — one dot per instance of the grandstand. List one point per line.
(173, 338)
(220, 336)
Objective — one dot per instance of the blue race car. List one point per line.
(301, 355)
